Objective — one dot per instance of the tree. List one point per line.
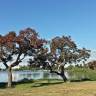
(92, 65)
(26, 43)
(62, 48)
(62, 51)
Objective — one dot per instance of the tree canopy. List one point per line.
(63, 50)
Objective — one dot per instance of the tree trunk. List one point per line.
(62, 73)
(9, 77)
(63, 77)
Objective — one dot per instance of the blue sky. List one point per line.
(52, 18)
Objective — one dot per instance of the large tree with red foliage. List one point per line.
(62, 51)
(26, 43)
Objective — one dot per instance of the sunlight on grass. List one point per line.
(52, 88)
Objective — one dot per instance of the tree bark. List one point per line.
(62, 73)
(63, 77)
(9, 77)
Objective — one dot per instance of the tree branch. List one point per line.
(23, 57)
(5, 65)
(17, 61)
(51, 71)
(4, 62)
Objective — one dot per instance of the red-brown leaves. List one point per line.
(84, 53)
(92, 65)
(28, 40)
(61, 42)
(2, 40)
(10, 37)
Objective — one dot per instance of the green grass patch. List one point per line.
(81, 74)
(32, 83)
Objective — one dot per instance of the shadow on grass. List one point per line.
(3, 85)
(23, 81)
(81, 80)
(37, 83)
(46, 83)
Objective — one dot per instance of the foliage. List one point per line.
(26, 43)
(92, 65)
(81, 74)
(26, 68)
(62, 51)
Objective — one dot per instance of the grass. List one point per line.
(51, 88)
(82, 74)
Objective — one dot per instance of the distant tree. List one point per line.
(26, 43)
(92, 65)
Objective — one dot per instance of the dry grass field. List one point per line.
(52, 88)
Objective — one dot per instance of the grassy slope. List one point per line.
(52, 88)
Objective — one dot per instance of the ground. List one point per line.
(51, 88)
